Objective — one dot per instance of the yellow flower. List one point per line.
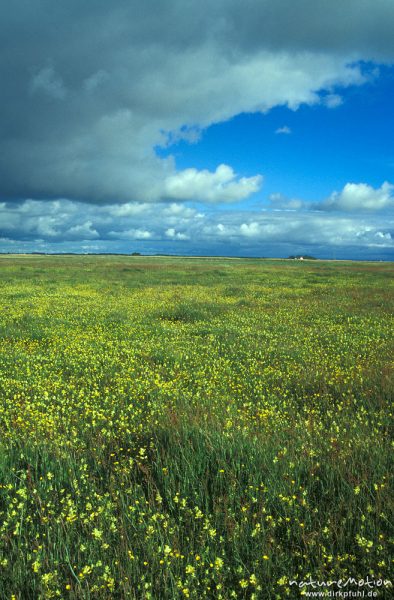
(36, 566)
(97, 534)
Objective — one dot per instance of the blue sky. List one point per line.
(252, 128)
(322, 149)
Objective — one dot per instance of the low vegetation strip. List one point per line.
(175, 428)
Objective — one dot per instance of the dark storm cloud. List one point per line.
(90, 88)
(359, 28)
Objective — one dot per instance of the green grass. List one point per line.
(193, 428)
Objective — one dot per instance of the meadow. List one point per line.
(193, 428)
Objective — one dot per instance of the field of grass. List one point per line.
(174, 428)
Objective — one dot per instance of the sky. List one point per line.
(235, 127)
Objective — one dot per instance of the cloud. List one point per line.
(161, 227)
(131, 234)
(354, 197)
(285, 129)
(280, 202)
(48, 82)
(360, 197)
(71, 221)
(308, 229)
(84, 231)
(205, 186)
(252, 229)
(95, 81)
(175, 235)
(332, 100)
(90, 90)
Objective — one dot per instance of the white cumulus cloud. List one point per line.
(360, 196)
(221, 185)
(176, 235)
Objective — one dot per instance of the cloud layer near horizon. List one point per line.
(335, 222)
(91, 88)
